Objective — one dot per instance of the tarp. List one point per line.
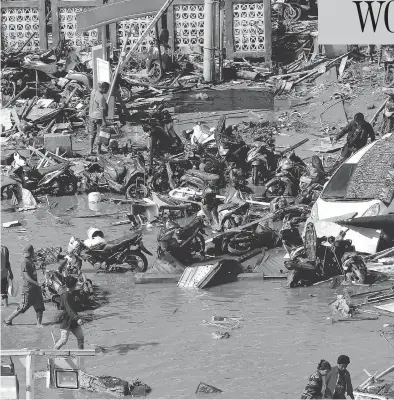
(116, 12)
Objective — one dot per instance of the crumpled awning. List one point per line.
(377, 222)
(116, 12)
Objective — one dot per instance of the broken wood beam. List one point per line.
(291, 74)
(379, 111)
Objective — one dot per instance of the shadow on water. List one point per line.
(224, 100)
(123, 349)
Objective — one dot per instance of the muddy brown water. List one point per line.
(156, 331)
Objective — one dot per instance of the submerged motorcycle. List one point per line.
(83, 293)
(126, 250)
(182, 242)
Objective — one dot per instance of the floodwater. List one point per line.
(156, 332)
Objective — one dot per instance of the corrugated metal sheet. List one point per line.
(192, 276)
(273, 263)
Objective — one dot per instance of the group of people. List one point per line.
(32, 297)
(330, 382)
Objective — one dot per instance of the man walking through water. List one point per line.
(70, 319)
(358, 131)
(97, 113)
(32, 294)
(6, 273)
(338, 380)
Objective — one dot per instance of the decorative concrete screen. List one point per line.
(246, 36)
(189, 24)
(139, 26)
(17, 25)
(68, 27)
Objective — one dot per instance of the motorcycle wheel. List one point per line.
(125, 93)
(292, 13)
(239, 245)
(70, 187)
(137, 261)
(135, 192)
(156, 72)
(7, 192)
(55, 188)
(198, 244)
(277, 188)
(8, 88)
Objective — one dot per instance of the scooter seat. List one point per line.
(227, 206)
(205, 176)
(126, 240)
(185, 231)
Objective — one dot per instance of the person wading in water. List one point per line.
(6, 273)
(316, 387)
(338, 380)
(32, 293)
(70, 319)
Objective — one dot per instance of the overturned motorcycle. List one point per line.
(182, 242)
(54, 286)
(111, 256)
(320, 258)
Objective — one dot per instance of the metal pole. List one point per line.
(30, 361)
(117, 69)
(268, 33)
(158, 43)
(221, 39)
(104, 41)
(208, 40)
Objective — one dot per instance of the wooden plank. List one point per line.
(342, 66)
(16, 119)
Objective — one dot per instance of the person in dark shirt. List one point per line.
(315, 389)
(6, 274)
(31, 292)
(358, 131)
(70, 319)
(338, 380)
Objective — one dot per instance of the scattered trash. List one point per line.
(11, 224)
(220, 335)
(207, 389)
